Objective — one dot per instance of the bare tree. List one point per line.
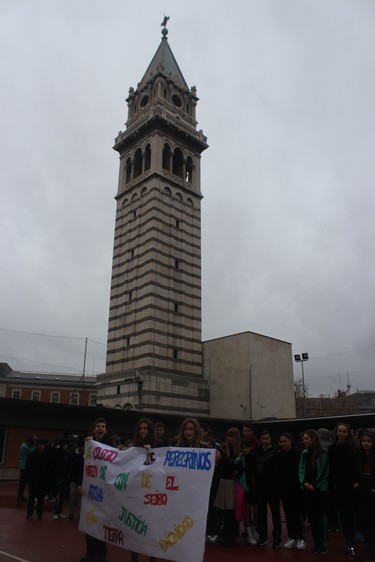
(298, 388)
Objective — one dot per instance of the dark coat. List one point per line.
(39, 471)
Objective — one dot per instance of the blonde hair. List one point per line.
(236, 445)
(196, 442)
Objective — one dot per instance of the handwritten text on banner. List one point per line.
(152, 502)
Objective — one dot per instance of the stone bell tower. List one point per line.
(154, 352)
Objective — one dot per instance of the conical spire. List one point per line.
(164, 63)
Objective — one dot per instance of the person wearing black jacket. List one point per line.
(38, 475)
(266, 490)
(59, 459)
(75, 471)
(344, 482)
(96, 550)
(289, 491)
(144, 436)
(366, 510)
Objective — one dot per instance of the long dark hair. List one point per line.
(150, 438)
(350, 443)
(316, 445)
(362, 454)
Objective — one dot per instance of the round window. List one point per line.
(144, 100)
(177, 100)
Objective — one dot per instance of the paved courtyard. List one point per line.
(49, 540)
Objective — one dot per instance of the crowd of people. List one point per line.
(321, 479)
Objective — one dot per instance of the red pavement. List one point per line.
(60, 541)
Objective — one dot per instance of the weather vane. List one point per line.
(165, 21)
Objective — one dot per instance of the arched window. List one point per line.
(166, 157)
(189, 169)
(148, 157)
(177, 163)
(138, 163)
(128, 170)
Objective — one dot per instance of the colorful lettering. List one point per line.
(176, 535)
(193, 460)
(91, 471)
(121, 481)
(108, 455)
(146, 480)
(156, 499)
(115, 536)
(133, 522)
(103, 472)
(90, 517)
(169, 484)
(96, 493)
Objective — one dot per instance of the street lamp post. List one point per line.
(301, 358)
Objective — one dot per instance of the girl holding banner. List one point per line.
(144, 437)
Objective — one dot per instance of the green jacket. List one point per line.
(320, 480)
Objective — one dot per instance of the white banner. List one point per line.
(152, 502)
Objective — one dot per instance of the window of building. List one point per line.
(130, 296)
(177, 223)
(177, 164)
(175, 354)
(137, 163)
(92, 400)
(189, 170)
(74, 399)
(128, 170)
(118, 389)
(55, 397)
(176, 306)
(177, 264)
(35, 395)
(16, 393)
(148, 157)
(166, 157)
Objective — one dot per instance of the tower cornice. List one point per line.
(164, 175)
(160, 120)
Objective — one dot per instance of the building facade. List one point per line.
(250, 377)
(47, 387)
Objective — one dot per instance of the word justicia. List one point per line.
(133, 522)
(193, 460)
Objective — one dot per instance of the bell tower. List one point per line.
(154, 351)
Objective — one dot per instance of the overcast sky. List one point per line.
(287, 90)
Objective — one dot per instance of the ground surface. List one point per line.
(61, 541)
